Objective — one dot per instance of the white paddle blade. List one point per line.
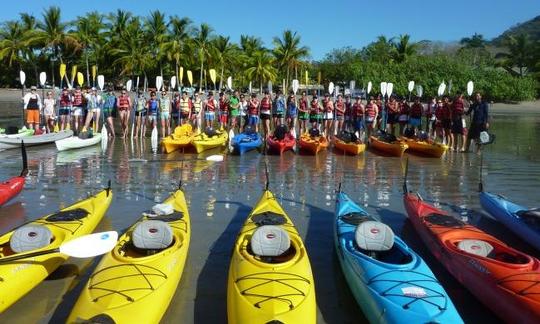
(231, 136)
(42, 78)
(411, 86)
(389, 89)
(369, 86)
(352, 85)
(441, 89)
(129, 83)
(331, 87)
(419, 90)
(249, 87)
(384, 87)
(22, 77)
(159, 83)
(449, 86)
(91, 245)
(270, 86)
(154, 139)
(104, 137)
(215, 158)
(470, 88)
(101, 81)
(294, 133)
(295, 86)
(173, 82)
(137, 83)
(229, 83)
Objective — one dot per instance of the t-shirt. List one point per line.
(49, 106)
(234, 103)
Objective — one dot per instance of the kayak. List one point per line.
(270, 278)
(203, 142)
(279, 146)
(312, 145)
(48, 232)
(505, 280)
(136, 281)
(46, 138)
(74, 142)
(182, 137)
(431, 149)
(13, 186)
(393, 148)
(243, 142)
(24, 132)
(520, 220)
(390, 282)
(353, 148)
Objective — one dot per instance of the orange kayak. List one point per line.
(431, 149)
(353, 148)
(504, 279)
(182, 137)
(395, 148)
(312, 144)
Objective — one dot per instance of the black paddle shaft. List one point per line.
(27, 255)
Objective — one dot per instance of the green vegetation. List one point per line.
(123, 46)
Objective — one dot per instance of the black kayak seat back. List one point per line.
(347, 137)
(86, 134)
(476, 247)
(354, 218)
(68, 215)
(248, 130)
(210, 132)
(10, 130)
(152, 235)
(30, 237)
(409, 132)
(531, 217)
(314, 132)
(101, 319)
(177, 215)
(444, 220)
(374, 236)
(385, 137)
(280, 132)
(268, 218)
(270, 241)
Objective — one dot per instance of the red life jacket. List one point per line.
(210, 105)
(223, 105)
(253, 107)
(404, 108)
(77, 99)
(440, 112)
(370, 110)
(314, 107)
(265, 104)
(458, 108)
(358, 110)
(303, 104)
(123, 102)
(447, 111)
(416, 110)
(65, 100)
(327, 104)
(392, 108)
(340, 108)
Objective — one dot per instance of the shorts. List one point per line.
(278, 115)
(107, 112)
(64, 111)
(303, 115)
(415, 122)
(328, 116)
(446, 123)
(358, 124)
(77, 111)
(224, 118)
(315, 118)
(475, 130)
(253, 120)
(403, 119)
(152, 117)
(210, 115)
(391, 119)
(95, 110)
(141, 113)
(234, 112)
(164, 115)
(32, 116)
(174, 115)
(457, 126)
(340, 117)
(265, 116)
(292, 114)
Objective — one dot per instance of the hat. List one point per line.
(33, 88)
(94, 89)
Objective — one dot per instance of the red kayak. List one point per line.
(502, 278)
(280, 146)
(11, 188)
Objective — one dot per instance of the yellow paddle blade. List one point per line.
(190, 77)
(56, 128)
(181, 74)
(68, 126)
(80, 78)
(73, 72)
(307, 78)
(62, 70)
(94, 72)
(212, 73)
(319, 77)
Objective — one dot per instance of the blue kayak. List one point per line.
(243, 142)
(389, 281)
(520, 220)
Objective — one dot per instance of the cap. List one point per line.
(33, 88)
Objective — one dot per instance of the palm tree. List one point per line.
(156, 30)
(403, 48)
(289, 53)
(520, 53)
(12, 43)
(250, 44)
(380, 50)
(89, 35)
(202, 42)
(261, 67)
(476, 44)
(224, 54)
(174, 49)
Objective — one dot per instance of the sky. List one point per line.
(323, 26)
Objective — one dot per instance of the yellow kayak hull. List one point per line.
(312, 145)
(396, 148)
(21, 276)
(182, 137)
(260, 292)
(130, 287)
(202, 142)
(352, 148)
(432, 149)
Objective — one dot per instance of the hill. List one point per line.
(530, 27)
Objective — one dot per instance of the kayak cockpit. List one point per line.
(490, 250)
(531, 217)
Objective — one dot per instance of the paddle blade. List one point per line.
(73, 73)
(295, 86)
(190, 77)
(270, 86)
(352, 85)
(229, 83)
(62, 70)
(94, 72)
(101, 81)
(440, 90)
(22, 77)
(389, 89)
(159, 83)
(129, 83)
(212, 73)
(173, 82)
(80, 78)
(419, 90)
(331, 88)
(306, 77)
(88, 246)
(154, 139)
(231, 135)
(215, 158)
(369, 86)
(411, 86)
(249, 87)
(470, 88)
(384, 87)
(449, 86)
(181, 74)
(42, 78)
(137, 83)
(104, 137)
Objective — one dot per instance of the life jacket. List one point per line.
(358, 110)
(440, 112)
(314, 107)
(404, 108)
(327, 104)
(447, 111)
(253, 107)
(279, 105)
(141, 103)
(164, 104)
(223, 105)
(197, 105)
(152, 106)
(392, 108)
(416, 110)
(265, 105)
(370, 110)
(303, 104)
(349, 109)
(109, 101)
(65, 100)
(77, 98)
(33, 103)
(123, 102)
(184, 105)
(340, 108)
(211, 105)
(458, 108)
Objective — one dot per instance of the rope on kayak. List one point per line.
(431, 293)
(66, 225)
(284, 282)
(532, 289)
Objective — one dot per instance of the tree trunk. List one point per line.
(202, 67)
(221, 77)
(87, 66)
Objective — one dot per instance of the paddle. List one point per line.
(180, 77)
(231, 131)
(80, 79)
(389, 90)
(42, 80)
(154, 136)
(405, 189)
(73, 75)
(410, 87)
(419, 91)
(173, 86)
(211, 158)
(104, 132)
(470, 88)
(295, 87)
(85, 246)
(480, 184)
(441, 89)
(384, 86)
(249, 87)
(212, 73)
(369, 87)
(449, 87)
(129, 84)
(94, 72)
(22, 78)
(190, 79)
(331, 92)
(62, 75)
(24, 170)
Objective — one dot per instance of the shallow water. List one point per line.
(220, 195)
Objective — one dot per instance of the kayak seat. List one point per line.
(354, 218)
(444, 220)
(152, 236)
(271, 244)
(268, 218)
(477, 247)
(374, 237)
(101, 319)
(531, 217)
(167, 218)
(30, 237)
(68, 215)
(210, 132)
(280, 132)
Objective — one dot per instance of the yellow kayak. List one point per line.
(426, 148)
(203, 142)
(134, 283)
(48, 232)
(270, 286)
(182, 137)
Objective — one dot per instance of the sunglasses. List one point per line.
(123, 93)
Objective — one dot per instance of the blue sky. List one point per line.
(323, 25)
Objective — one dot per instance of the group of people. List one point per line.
(441, 119)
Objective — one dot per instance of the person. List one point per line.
(430, 117)
(479, 122)
(265, 112)
(447, 121)
(197, 111)
(185, 107)
(340, 114)
(66, 102)
(140, 113)
(439, 130)
(303, 112)
(210, 105)
(234, 105)
(94, 102)
(457, 111)
(253, 109)
(371, 113)
(48, 111)
(292, 111)
(392, 112)
(278, 109)
(223, 110)
(109, 104)
(349, 113)
(315, 110)
(357, 114)
(404, 110)
(415, 115)
(244, 104)
(175, 110)
(152, 107)
(165, 114)
(328, 106)
(77, 109)
(123, 104)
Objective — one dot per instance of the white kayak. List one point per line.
(10, 143)
(75, 142)
(24, 132)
